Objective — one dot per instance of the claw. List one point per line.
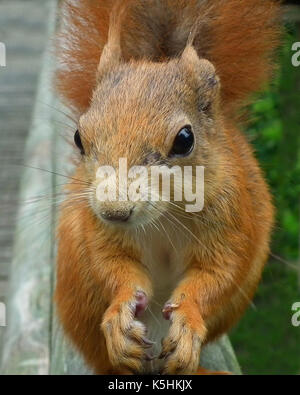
(168, 309)
(164, 355)
(141, 303)
(148, 342)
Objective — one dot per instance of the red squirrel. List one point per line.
(161, 82)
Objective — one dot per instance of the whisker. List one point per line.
(57, 174)
(278, 258)
(59, 111)
(155, 318)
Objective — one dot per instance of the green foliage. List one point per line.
(275, 134)
(265, 340)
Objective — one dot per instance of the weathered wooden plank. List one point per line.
(3, 286)
(23, 30)
(65, 360)
(220, 356)
(27, 335)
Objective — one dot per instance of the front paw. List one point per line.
(125, 336)
(181, 348)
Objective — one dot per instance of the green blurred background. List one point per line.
(265, 340)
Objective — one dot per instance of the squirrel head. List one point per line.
(147, 114)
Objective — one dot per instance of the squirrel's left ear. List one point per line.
(112, 53)
(202, 76)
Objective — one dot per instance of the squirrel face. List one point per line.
(147, 114)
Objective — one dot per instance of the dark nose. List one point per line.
(116, 216)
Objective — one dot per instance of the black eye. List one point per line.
(183, 143)
(78, 142)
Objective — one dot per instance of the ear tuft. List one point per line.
(112, 54)
(201, 75)
(190, 59)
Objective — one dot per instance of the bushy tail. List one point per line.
(237, 36)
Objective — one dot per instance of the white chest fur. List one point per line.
(163, 255)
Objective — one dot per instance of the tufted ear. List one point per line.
(112, 53)
(201, 74)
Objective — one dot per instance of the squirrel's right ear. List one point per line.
(202, 75)
(112, 53)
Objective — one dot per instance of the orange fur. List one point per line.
(132, 105)
(238, 38)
